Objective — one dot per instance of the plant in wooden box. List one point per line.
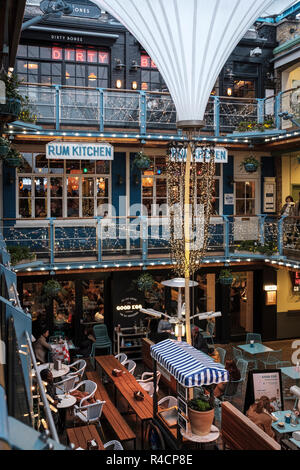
(142, 161)
(20, 254)
(226, 277)
(201, 411)
(250, 164)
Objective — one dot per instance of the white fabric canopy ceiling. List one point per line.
(189, 41)
(277, 7)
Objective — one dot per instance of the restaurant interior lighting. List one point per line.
(270, 294)
(119, 84)
(179, 330)
(134, 85)
(229, 91)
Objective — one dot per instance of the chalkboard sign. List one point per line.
(265, 383)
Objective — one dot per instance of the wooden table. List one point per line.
(80, 435)
(126, 385)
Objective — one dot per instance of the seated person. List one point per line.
(214, 353)
(41, 347)
(198, 341)
(260, 414)
(234, 375)
(99, 316)
(80, 395)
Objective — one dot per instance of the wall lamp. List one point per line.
(119, 65)
(119, 84)
(135, 66)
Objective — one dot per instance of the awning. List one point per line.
(190, 367)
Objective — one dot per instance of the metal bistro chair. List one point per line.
(233, 389)
(222, 354)
(116, 445)
(65, 386)
(130, 365)
(148, 384)
(90, 413)
(238, 354)
(103, 341)
(287, 382)
(78, 369)
(273, 357)
(122, 358)
(242, 366)
(168, 402)
(209, 333)
(256, 337)
(90, 387)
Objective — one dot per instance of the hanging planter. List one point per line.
(10, 110)
(13, 159)
(250, 165)
(142, 161)
(226, 277)
(4, 147)
(145, 282)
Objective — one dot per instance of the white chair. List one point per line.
(148, 384)
(130, 365)
(65, 386)
(168, 401)
(116, 445)
(90, 413)
(121, 358)
(90, 387)
(78, 369)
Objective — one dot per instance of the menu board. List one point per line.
(265, 383)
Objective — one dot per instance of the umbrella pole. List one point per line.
(187, 243)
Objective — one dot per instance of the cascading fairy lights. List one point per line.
(201, 193)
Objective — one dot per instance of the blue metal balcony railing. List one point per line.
(144, 112)
(146, 240)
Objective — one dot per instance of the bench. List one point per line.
(240, 433)
(81, 435)
(110, 412)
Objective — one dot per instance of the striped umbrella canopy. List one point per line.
(190, 367)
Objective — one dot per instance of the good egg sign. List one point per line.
(79, 151)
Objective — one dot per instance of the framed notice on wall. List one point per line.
(264, 383)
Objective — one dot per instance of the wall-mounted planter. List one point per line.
(10, 110)
(250, 167)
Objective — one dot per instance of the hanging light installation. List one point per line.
(189, 41)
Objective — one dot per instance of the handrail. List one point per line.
(42, 392)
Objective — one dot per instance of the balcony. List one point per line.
(104, 110)
(144, 241)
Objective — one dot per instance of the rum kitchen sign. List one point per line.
(79, 151)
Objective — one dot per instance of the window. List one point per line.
(93, 301)
(155, 191)
(57, 188)
(151, 79)
(245, 198)
(63, 65)
(244, 89)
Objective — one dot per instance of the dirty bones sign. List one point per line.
(79, 151)
(78, 9)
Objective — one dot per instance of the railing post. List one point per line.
(217, 115)
(226, 236)
(277, 110)
(280, 235)
(52, 240)
(99, 238)
(262, 219)
(57, 107)
(144, 236)
(143, 112)
(260, 110)
(101, 109)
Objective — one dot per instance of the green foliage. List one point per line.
(251, 126)
(26, 114)
(19, 253)
(225, 273)
(13, 158)
(142, 161)
(251, 160)
(12, 92)
(268, 248)
(203, 400)
(145, 282)
(4, 142)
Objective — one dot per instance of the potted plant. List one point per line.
(26, 113)
(20, 254)
(250, 164)
(142, 161)
(10, 110)
(50, 291)
(226, 277)
(246, 246)
(145, 282)
(4, 146)
(13, 158)
(201, 411)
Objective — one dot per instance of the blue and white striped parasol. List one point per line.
(190, 367)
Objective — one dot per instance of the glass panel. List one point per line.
(31, 300)
(80, 70)
(25, 187)
(87, 207)
(40, 187)
(80, 55)
(56, 208)
(56, 187)
(218, 169)
(45, 68)
(41, 208)
(22, 51)
(45, 52)
(250, 206)
(240, 189)
(70, 55)
(92, 56)
(73, 208)
(25, 208)
(41, 163)
(56, 166)
(250, 189)
(160, 165)
(27, 163)
(240, 207)
(73, 166)
(93, 301)
(33, 51)
(88, 166)
(64, 307)
(102, 167)
(88, 187)
(73, 186)
(102, 187)
(161, 187)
